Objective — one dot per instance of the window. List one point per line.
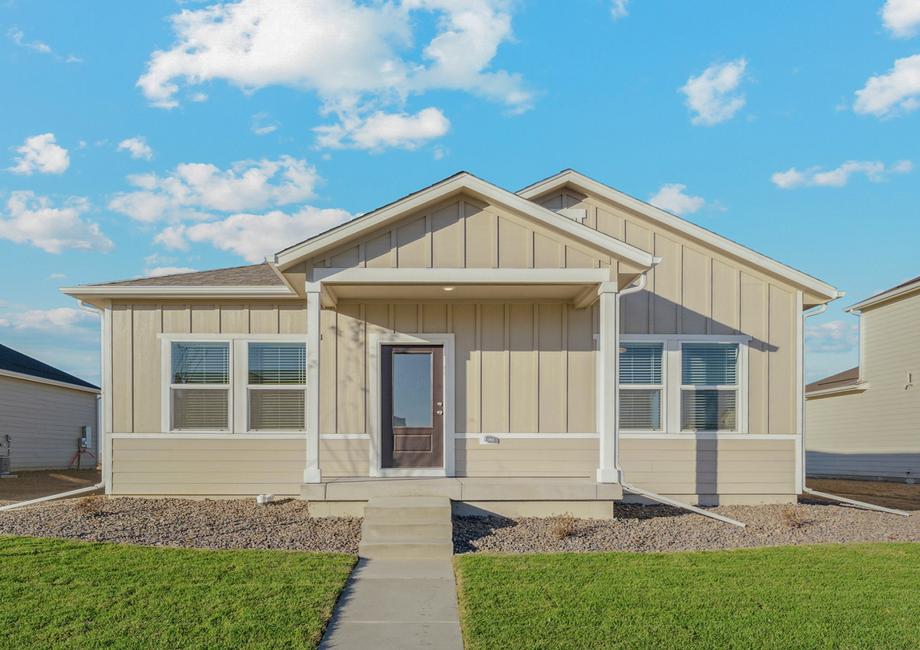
(200, 386)
(641, 386)
(276, 386)
(240, 384)
(709, 387)
(682, 384)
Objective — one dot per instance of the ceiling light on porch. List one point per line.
(448, 288)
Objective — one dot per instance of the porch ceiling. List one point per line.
(466, 292)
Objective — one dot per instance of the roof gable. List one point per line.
(462, 183)
(579, 182)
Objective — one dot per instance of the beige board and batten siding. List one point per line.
(874, 433)
(697, 290)
(173, 464)
(44, 423)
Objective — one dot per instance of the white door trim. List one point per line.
(375, 343)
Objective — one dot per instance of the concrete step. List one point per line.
(406, 528)
(405, 550)
(380, 532)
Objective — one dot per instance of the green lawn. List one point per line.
(60, 594)
(860, 596)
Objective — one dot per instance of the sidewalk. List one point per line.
(403, 604)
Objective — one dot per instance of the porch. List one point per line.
(471, 496)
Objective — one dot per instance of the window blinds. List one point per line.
(640, 410)
(709, 364)
(640, 363)
(200, 363)
(277, 363)
(276, 410)
(708, 410)
(200, 409)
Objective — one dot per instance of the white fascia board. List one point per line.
(441, 276)
(129, 291)
(49, 382)
(456, 184)
(882, 297)
(681, 225)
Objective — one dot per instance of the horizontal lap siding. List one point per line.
(708, 467)
(523, 457)
(205, 467)
(44, 422)
(875, 433)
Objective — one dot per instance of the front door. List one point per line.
(412, 406)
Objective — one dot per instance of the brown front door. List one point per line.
(412, 406)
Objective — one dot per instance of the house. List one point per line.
(465, 341)
(44, 413)
(864, 423)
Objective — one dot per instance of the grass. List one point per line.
(859, 596)
(61, 594)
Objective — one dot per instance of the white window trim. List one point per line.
(238, 416)
(673, 385)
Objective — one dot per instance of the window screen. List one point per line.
(708, 410)
(641, 386)
(276, 410)
(200, 409)
(277, 392)
(201, 363)
(709, 394)
(712, 364)
(277, 363)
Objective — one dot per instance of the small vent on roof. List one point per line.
(575, 214)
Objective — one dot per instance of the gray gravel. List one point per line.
(661, 528)
(219, 524)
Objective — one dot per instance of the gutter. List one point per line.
(820, 309)
(648, 494)
(52, 497)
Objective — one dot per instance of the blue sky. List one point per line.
(142, 137)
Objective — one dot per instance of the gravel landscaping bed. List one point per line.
(217, 524)
(661, 528)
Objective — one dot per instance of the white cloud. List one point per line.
(712, 95)
(58, 319)
(619, 9)
(19, 38)
(832, 336)
(192, 187)
(359, 58)
(35, 220)
(671, 197)
(874, 170)
(255, 236)
(137, 147)
(381, 130)
(261, 125)
(901, 17)
(57, 276)
(160, 271)
(40, 153)
(894, 93)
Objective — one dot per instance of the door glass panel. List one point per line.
(412, 389)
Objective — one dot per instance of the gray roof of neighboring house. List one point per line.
(255, 275)
(13, 361)
(840, 380)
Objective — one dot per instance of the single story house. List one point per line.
(864, 423)
(44, 413)
(521, 353)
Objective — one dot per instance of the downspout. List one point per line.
(643, 280)
(820, 309)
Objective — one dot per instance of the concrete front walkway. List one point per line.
(403, 604)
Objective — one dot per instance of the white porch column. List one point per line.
(311, 472)
(607, 399)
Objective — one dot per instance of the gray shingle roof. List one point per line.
(13, 361)
(840, 380)
(256, 275)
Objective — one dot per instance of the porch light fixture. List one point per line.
(448, 288)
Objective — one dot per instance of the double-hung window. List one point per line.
(641, 386)
(199, 391)
(277, 386)
(682, 384)
(709, 387)
(239, 385)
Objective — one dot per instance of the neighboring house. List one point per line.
(471, 336)
(865, 422)
(43, 411)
